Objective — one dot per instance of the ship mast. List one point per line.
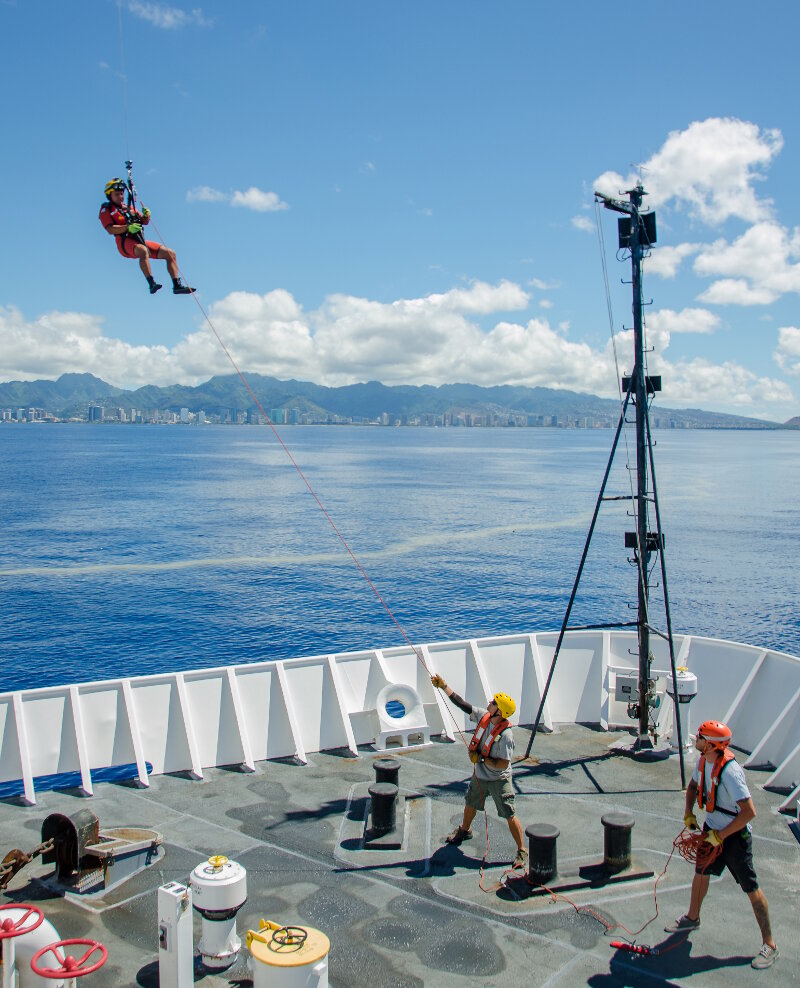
(637, 233)
(637, 237)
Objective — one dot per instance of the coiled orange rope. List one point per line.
(693, 847)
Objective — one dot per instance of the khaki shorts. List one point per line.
(501, 792)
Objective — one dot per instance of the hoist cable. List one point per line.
(124, 80)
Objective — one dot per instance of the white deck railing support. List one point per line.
(244, 714)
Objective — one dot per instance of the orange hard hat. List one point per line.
(715, 732)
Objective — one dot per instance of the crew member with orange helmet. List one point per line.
(490, 752)
(126, 223)
(719, 786)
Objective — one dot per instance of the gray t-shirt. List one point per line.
(732, 787)
(502, 747)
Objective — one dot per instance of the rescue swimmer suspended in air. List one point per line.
(124, 221)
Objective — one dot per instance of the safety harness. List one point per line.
(708, 801)
(130, 211)
(484, 748)
(130, 215)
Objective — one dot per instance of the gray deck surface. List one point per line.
(417, 916)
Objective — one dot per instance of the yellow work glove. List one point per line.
(474, 757)
(690, 822)
(713, 838)
(438, 681)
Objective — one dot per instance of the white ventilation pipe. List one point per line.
(687, 691)
(26, 945)
(219, 890)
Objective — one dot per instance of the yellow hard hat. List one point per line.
(114, 183)
(505, 704)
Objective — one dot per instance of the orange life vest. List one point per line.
(496, 731)
(708, 801)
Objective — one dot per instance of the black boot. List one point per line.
(154, 285)
(179, 289)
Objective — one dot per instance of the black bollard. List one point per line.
(387, 770)
(617, 842)
(543, 861)
(384, 806)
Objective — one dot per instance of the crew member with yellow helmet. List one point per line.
(490, 751)
(720, 788)
(125, 223)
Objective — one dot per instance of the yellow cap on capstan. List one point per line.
(505, 704)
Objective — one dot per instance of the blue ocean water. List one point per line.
(131, 550)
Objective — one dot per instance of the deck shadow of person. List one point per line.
(672, 962)
(450, 858)
(445, 862)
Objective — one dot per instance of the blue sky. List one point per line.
(403, 192)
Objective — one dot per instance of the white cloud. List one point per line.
(583, 223)
(787, 354)
(686, 321)
(709, 168)
(728, 386)
(73, 342)
(432, 340)
(665, 261)
(252, 198)
(736, 291)
(260, 202)
(756, 268)
(204, 193)
(168, 18)
(479, 298)
(546, 303)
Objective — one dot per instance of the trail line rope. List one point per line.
(689, 846)
(297, 467)
(275, 432)
(458, 732)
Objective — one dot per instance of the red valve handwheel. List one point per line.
(13, 928)
(70, 968)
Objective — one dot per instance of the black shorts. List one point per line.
(737, 857)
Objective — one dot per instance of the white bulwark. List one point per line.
(240, 715)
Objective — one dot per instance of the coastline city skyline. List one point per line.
(225, 400)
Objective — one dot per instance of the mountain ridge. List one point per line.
(71, 394)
